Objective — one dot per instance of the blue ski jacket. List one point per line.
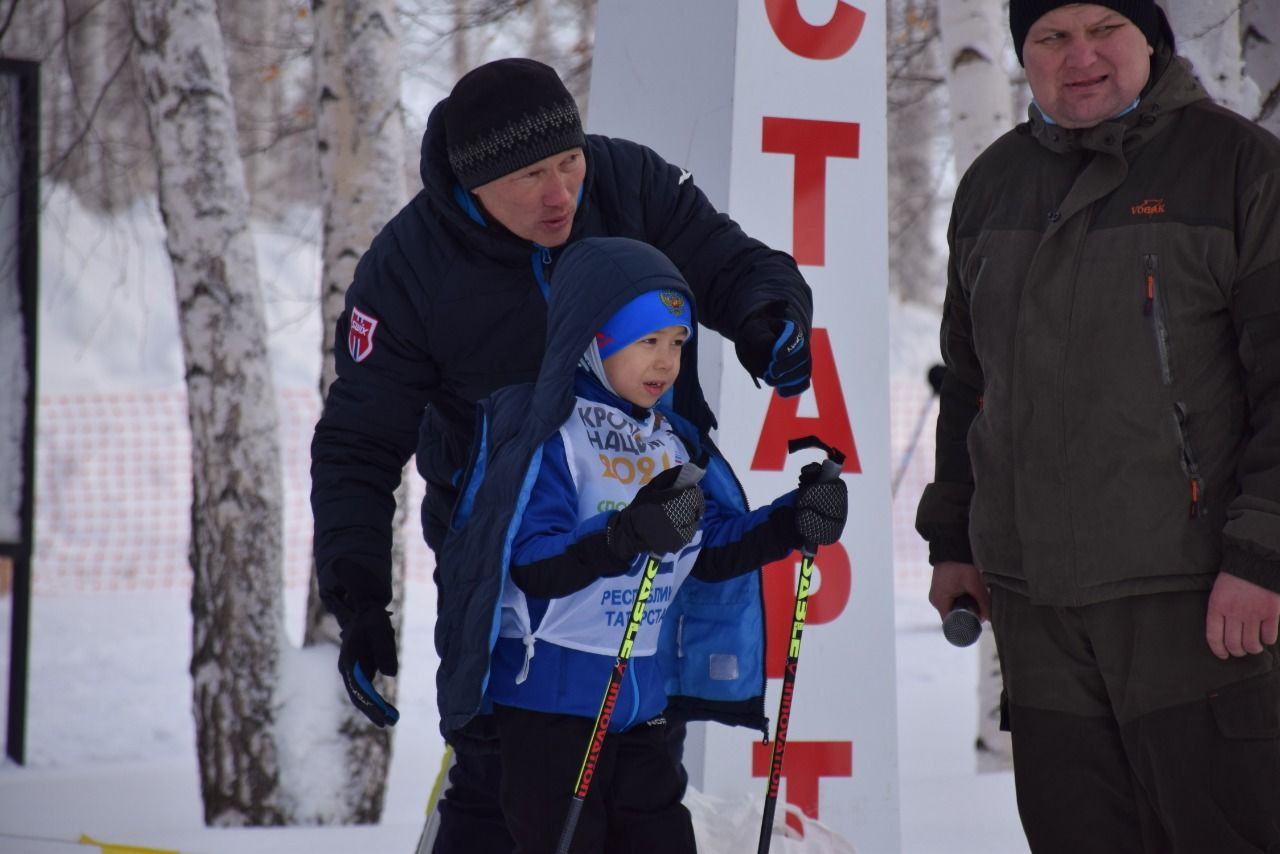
(709, 662)
(446, 308)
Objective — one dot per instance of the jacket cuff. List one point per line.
(348, 589)
(950, 549)
(1262, 571)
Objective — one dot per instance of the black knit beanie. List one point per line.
(505, 115)
(1144, 14)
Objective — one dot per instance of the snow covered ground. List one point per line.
(110, 739)
(112, 743)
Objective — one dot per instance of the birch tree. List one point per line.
(1260, 36)
(978, 96)
(236, 550)
(92, 127)
(1208, 34)
(916, 114)
(981, 106)
(359, 135)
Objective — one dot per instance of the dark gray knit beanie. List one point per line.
(1144, 14)
(506, 114)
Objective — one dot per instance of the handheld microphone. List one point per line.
(961, 625)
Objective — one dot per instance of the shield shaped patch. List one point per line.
(360, 334)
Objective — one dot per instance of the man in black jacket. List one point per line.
(449, 304)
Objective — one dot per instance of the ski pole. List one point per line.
(830, 471)
(689, 475)
(935, 376)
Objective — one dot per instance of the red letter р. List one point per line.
(828, 41)
(824, 605)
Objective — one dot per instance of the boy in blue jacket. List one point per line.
(571, 489)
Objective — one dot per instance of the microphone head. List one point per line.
(961, 627)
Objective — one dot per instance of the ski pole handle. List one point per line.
(570, 825)
(688, 476)
(829, 471)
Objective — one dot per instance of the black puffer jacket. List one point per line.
(460, 312)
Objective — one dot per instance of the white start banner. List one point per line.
(777, 109)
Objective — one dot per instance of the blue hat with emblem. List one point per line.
(646, 313)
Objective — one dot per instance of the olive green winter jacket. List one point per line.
(1110, 418)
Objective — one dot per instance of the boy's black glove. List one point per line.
(821, 507)
(775, 348)
(662, 518)
(368, 648)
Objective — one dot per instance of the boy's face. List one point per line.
(642, 371)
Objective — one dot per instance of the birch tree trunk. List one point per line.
(540, 38)
(1208, 34)
(87, 55)
(916, 268)
(237, 500)
(461, 38)
(1260, 22)
(254, 67)
(978, 93)
(360, 133)
(981, 110)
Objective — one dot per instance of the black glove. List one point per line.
(659, 520)
(775, 348)
(821, 507)
(368, 648)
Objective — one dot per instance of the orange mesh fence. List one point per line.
(113, 490)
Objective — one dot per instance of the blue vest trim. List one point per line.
(522, 501)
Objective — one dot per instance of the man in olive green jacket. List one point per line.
(1108, 468)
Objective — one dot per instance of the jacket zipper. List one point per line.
(1153, 307)
(1189, 463)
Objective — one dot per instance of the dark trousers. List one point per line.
(1130, 736)
(471, 819)
(634, 801)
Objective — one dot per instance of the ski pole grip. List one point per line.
(830, 470)
(570, 825)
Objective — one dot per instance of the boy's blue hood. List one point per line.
(593, 279)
